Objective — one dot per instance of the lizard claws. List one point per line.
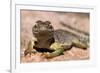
(29, 52)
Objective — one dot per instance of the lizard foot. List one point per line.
(27, 51)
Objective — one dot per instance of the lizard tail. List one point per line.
(75, 29)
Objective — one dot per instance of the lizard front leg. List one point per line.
(30, 48)
(58, 50)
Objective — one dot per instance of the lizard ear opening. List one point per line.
(47, 22)
(39, 21)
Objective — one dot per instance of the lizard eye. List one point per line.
(50, 27)
(34, 29)
(35, 26)
(47, 22)
(39, 22)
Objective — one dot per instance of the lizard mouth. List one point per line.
(43, 49)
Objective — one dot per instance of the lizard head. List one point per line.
(42, 28)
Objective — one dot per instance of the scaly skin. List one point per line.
(30, 48)
(55, 40)
(60, 48)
